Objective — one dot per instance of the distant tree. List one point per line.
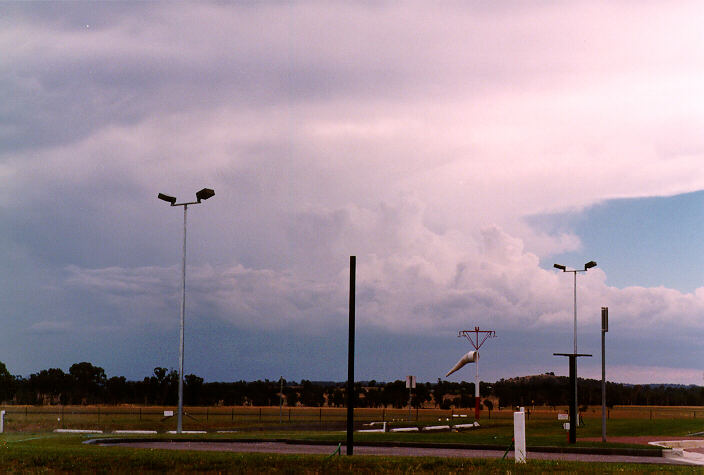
(193, 386)
(312, 394)
(291, 396)
(162, 388)
(89, 383)
(7, 383)
(489, 406)
(395, 394)
(50, 386)
(117, 390)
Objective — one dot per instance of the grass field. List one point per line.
(30, 446)
(108, 418)
(42, 453)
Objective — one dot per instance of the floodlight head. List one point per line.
(561, 267)
(204, 194)
(167, 198)
(589, 265)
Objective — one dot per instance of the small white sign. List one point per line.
(566, 426)
(168, 413)
(410, 382)
(563, 417)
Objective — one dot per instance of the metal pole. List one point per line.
(281, 400)
(604, 329)
(573, 415)
(603, 386)
(575, 406)
(350, 360)
(179, 424)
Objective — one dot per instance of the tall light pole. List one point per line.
(201, 195)
(587, 266)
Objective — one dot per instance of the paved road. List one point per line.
(283, 448)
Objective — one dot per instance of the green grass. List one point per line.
(540, 432)
(42, 453)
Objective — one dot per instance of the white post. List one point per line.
(519, 436)
(2, 422)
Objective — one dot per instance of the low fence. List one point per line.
(24, 418)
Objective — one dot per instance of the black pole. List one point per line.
(573, 399)
(350, 362)
(574, 410)
(604, 329)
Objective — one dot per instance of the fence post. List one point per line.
(140, 414)
(651, 414)
(233, 414)
(206, 413)
(260, 414)
(289, 414)
(98, 415)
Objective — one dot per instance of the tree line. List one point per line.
(85, 383)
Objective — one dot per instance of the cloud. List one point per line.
(420, 139)
(51, 327)
(410, 280)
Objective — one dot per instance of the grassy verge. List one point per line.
(499, 432)
(33, 453)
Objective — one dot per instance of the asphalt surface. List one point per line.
(284, 448)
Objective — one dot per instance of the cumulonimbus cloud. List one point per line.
(420, 281)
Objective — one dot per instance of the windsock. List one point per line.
(470, 357)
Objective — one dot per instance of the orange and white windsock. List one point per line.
(470, 357)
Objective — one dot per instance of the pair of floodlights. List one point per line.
(201, 195)
(588, 265)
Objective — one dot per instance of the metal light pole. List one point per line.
(203, 194)
(604, 329)
(587, 266)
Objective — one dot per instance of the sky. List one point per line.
(458, 149)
